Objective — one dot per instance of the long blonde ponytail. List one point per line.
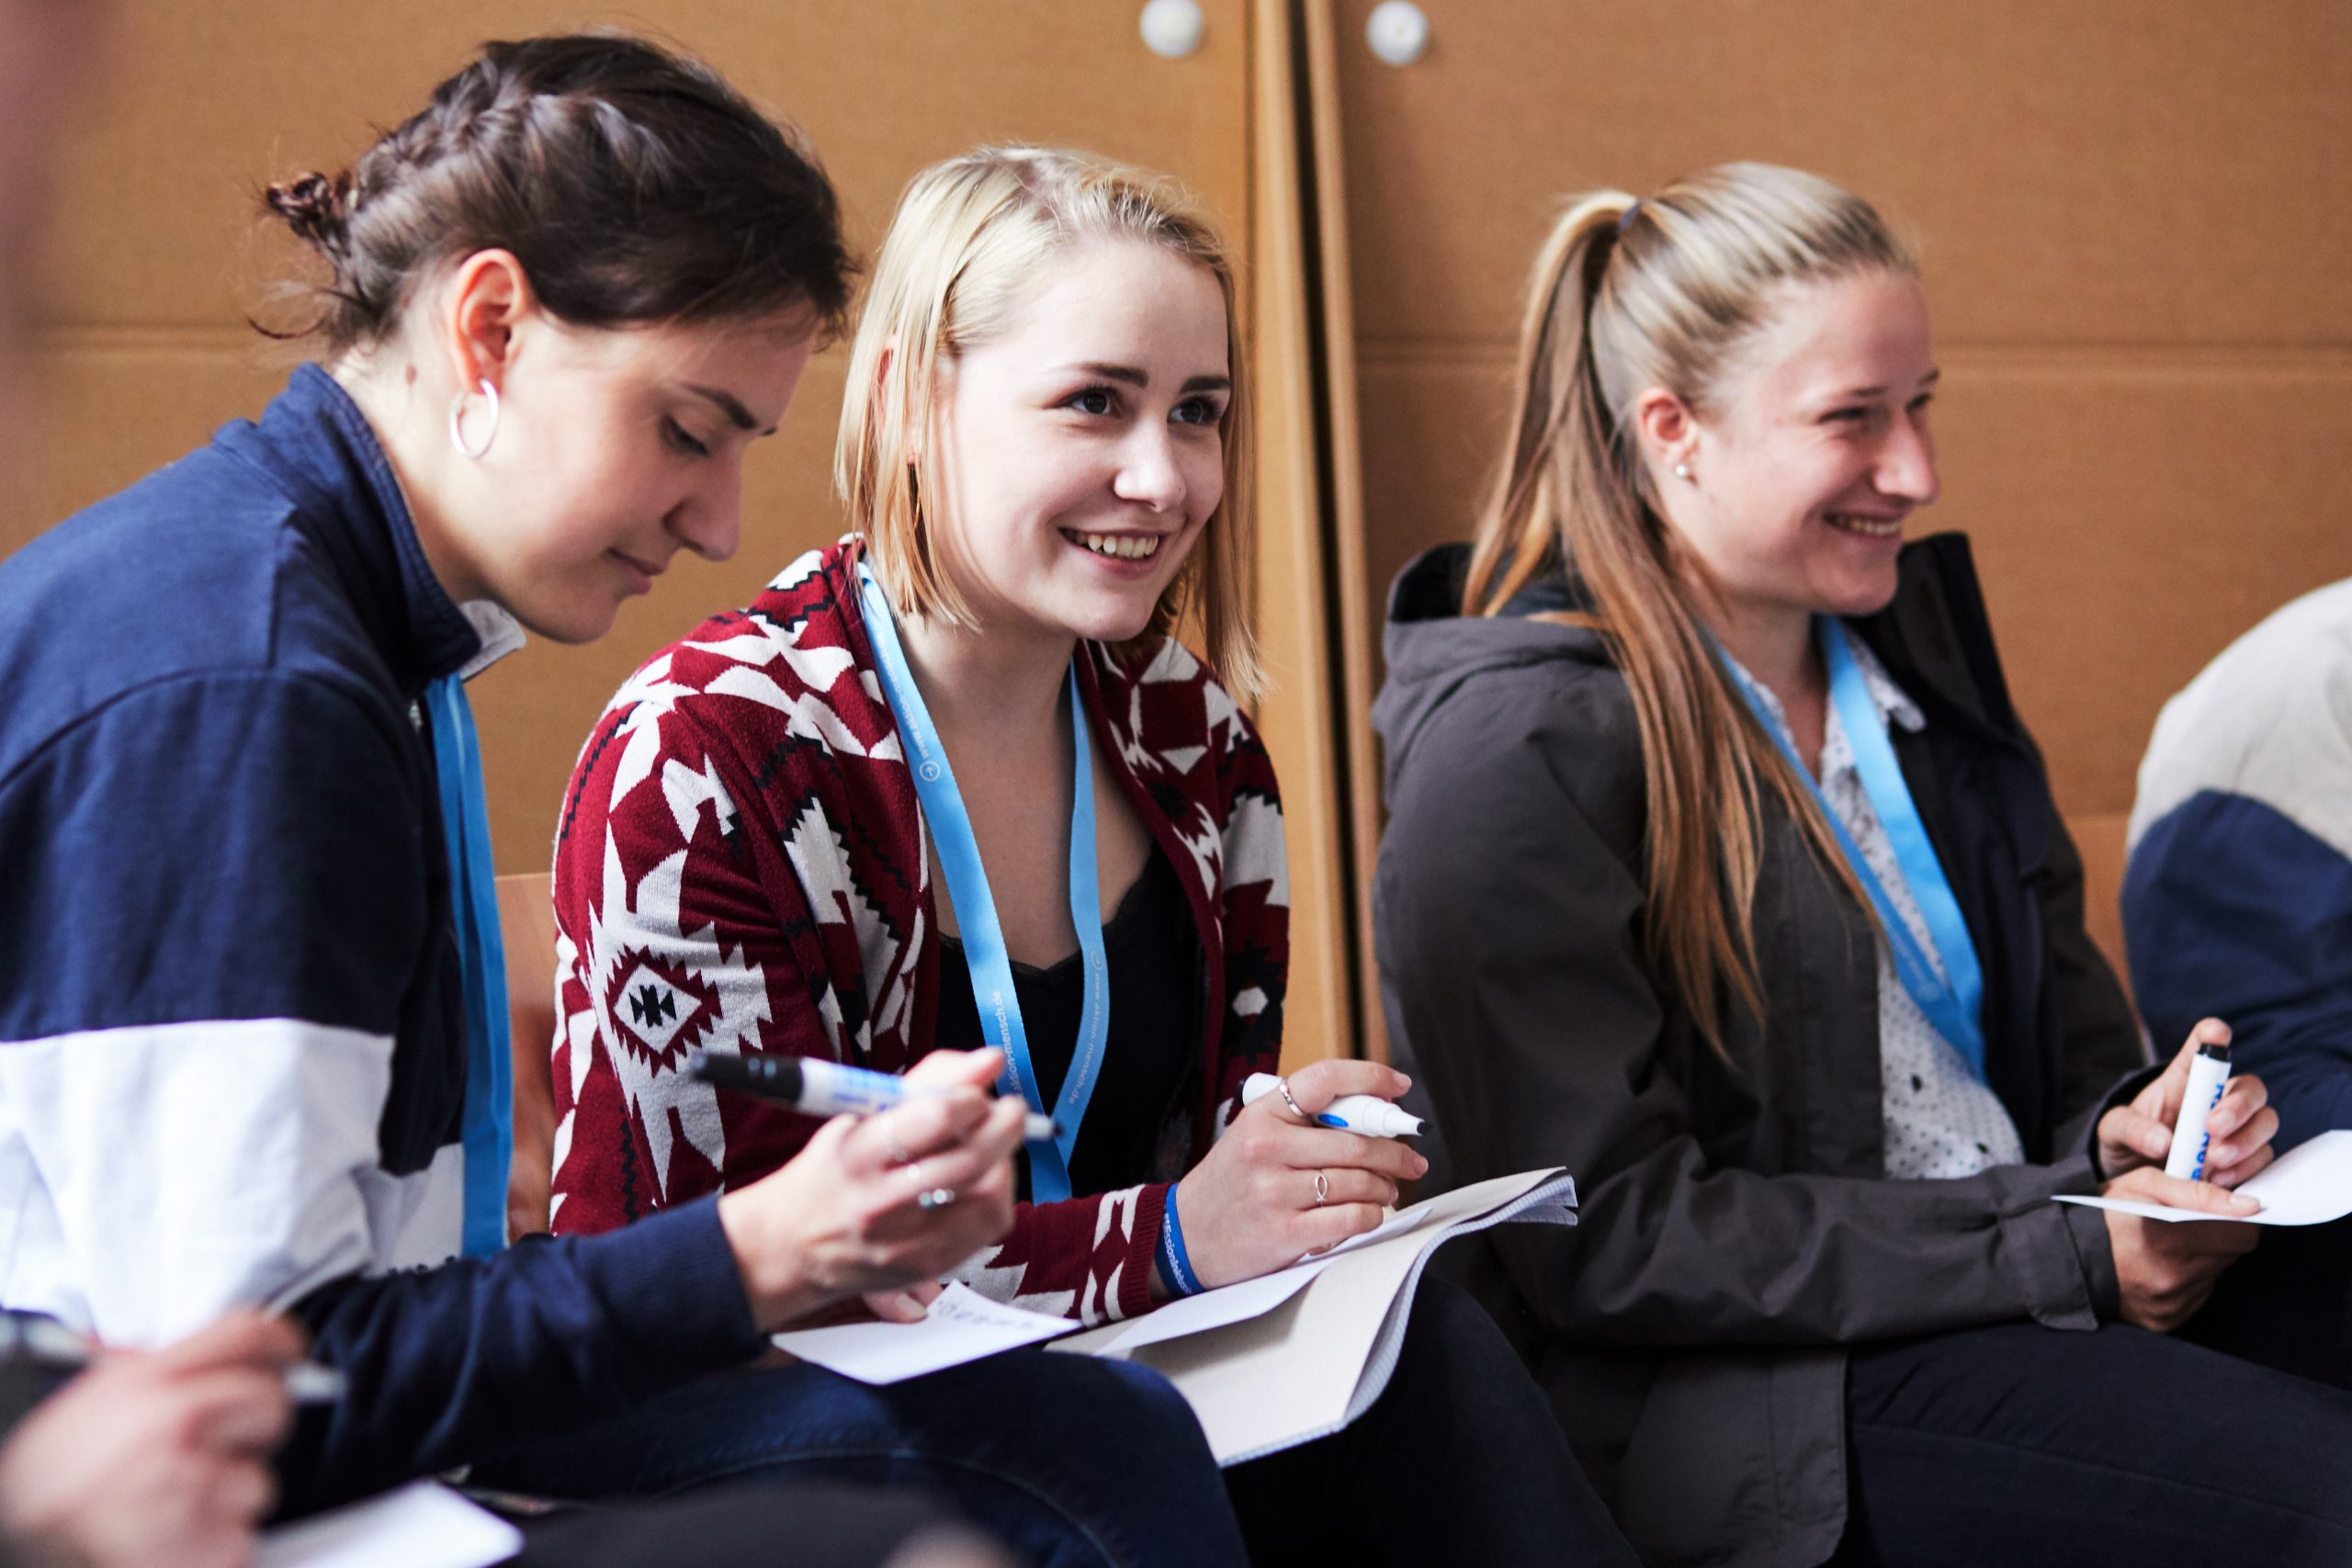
(1627, 295)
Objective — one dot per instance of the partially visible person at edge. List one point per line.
(251, 1012)
(2250, 767)
(775, 840)
(143, 1459)
(1722, 872)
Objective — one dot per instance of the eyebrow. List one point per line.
(729, 405)
(1135, 377)
(1929, 379)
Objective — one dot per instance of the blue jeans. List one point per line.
(1069, 1460)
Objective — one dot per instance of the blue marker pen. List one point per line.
(822, 1088)
(1365, 1113)
(2209, 1075)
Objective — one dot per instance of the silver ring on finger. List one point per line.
(1284, 1085)
(935, 1198)
(1322, 1188)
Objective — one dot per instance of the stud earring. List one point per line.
(1682, 470)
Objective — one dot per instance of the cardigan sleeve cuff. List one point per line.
(1143, 1250)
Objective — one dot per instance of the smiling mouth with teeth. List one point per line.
(1869, 527)
(1119, 546)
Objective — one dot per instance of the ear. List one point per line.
(487, 300)
(1665, 428)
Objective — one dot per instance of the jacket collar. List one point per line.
(1893, 704)
(314, 444)
(1933, 642)
(1936, 641)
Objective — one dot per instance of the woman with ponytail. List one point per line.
(1794, 976)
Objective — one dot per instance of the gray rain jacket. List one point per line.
(1738, 1227)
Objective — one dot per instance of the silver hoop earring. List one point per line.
(1682, 470)
(458, 424)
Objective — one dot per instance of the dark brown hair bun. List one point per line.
(315, 207)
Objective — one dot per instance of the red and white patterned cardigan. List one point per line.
(740, 866)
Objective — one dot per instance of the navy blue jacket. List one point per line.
(2238, 898)
(232, 1051)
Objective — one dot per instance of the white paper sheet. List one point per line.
(2311, 1184)
(1398, 1222)
(962, 1326)
(1210, 1309)
(422, 1525)
(1317, 1358)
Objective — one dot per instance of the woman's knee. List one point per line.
(1450, 1332)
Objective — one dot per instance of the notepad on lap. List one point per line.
(422, 1525)
(1267, 1363)
(1319, 1357)
(2311, 1184)
(962, 1326)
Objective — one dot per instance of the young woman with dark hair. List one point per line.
(1721, 871)
(253, 1034)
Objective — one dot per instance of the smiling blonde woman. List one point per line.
(954, 781)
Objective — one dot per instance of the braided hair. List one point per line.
(633, 184)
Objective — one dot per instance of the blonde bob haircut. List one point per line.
(971, 238)
(1671, 289)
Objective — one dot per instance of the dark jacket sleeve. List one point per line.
(200, 1087)
(448, 1365)
(1510, 949)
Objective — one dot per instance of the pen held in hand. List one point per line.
(1365, 1113)
(41, 1341)
(823, 1088)
(2209, 1075)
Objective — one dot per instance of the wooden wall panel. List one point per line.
(160, 257)
(209, 102)
(2131, 520)
(2135, 219)
(2133, 169)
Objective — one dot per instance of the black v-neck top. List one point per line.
(1154, 955)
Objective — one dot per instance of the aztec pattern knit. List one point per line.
(740, 866)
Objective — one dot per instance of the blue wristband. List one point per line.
(1174, 1262)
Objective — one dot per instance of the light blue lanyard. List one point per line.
(487, 1128)
(967, 886)
(1951, 999)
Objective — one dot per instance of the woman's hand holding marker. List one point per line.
(1277, 1188)
(877, 1204)
(2240, 1126)
(2164, 1271)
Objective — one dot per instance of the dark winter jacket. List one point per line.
(1738, 1229)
